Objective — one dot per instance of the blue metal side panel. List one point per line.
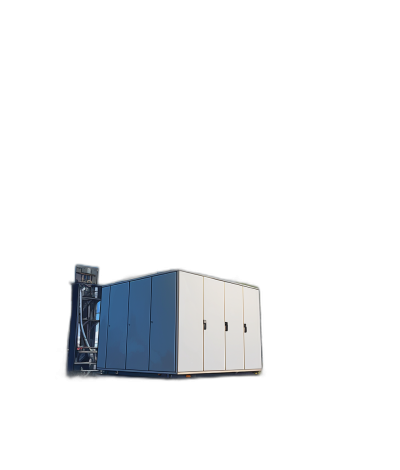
(162, 327)
(137, 347)
(102, 344)
(117, 326)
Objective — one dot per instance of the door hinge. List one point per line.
(205, 324)
(226, 326)
(245, 328)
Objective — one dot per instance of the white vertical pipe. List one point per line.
(83, 332)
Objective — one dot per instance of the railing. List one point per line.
(89, 358)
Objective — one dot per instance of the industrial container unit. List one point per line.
(170, 324)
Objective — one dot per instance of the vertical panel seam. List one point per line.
(224, 327)
(174, 330)
(178, 281)
(108, 319)
(259, 312)
(127, 321)
(244, 344)
(176, 311)
(151, 304)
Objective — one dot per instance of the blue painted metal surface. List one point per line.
(162, 326)
(137, 347)
(117, 326)
(102, 342)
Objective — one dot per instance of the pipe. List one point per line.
(80, 320)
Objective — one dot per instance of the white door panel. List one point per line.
(252, 338)
(190, 344)
(214, 334)
(234, 318)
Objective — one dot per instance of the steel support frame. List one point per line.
(72, 329)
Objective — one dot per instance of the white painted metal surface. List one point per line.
(214, 334)
(190, 344)
(252, 339)
(234, 336)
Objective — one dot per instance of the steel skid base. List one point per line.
(83, 373)
(174, 375)
(163, 375)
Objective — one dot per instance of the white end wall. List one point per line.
(206, 305)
